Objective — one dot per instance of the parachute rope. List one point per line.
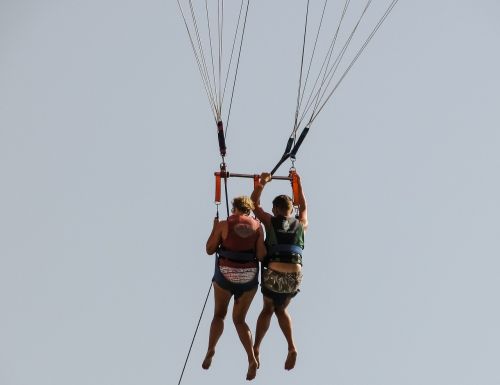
(326, 62)
(198, 61)
(218, 76)
(322, 90)
(330, 71)
(301, 68)
(324, 85)
(237, 63)
(333, 70)
(209, 29)
(296, 125)
(358, 54)
(220, 29)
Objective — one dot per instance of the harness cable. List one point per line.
(196, 331)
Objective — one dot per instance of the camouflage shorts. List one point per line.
(278, 282)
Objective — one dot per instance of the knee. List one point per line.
(267, 311)
(220, 315)
(280, 311)
(238, 320)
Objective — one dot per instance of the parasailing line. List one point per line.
(324, 86)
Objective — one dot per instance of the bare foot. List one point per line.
(256, 354)
(208, 359)
(290, 359)
(252, 370)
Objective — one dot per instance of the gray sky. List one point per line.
(107, 154)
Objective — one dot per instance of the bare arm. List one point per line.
(256, 193)
(215, 237)
(260, 247)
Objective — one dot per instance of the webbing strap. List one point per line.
(289, 151)
(237, 255)
(299, 142)
(283, 248)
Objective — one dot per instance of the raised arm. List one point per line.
(256, 193)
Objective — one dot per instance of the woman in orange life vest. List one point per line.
(282, 267)
(239, 243)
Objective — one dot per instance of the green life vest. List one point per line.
(284, 240)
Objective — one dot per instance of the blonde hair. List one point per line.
(243, 204)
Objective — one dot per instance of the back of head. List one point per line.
(283, 205)
(243, 204)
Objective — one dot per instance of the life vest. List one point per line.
(238, 252)
(284, 240)
(241, 238)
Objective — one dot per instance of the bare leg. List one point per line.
(285, 322)
(263, 323)
(240, 309)
(222, 298)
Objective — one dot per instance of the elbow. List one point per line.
(261, 254)
(210, 249)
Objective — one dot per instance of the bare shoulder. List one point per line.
(220, 228)
(222, 223)
(223, 229)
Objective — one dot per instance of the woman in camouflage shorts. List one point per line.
(282, 267)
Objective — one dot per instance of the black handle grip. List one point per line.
(222, 140)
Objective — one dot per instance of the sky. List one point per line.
(107, 154)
